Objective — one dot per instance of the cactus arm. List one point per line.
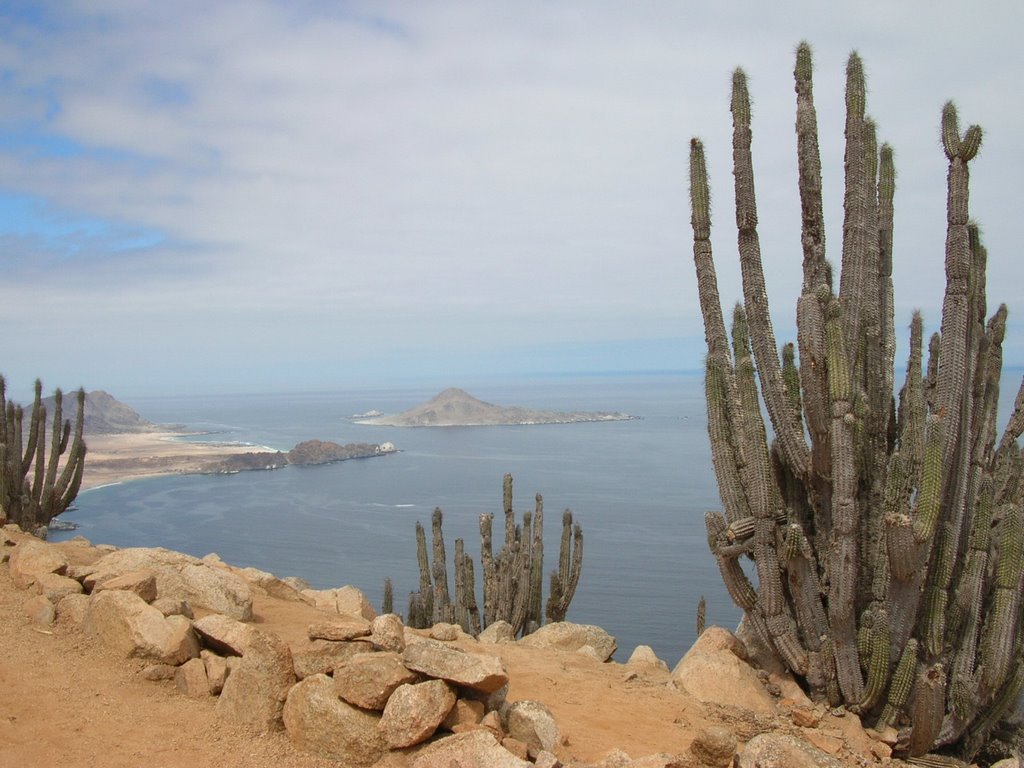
(755, 298)
(537, 562)
(487, 569)
(927, 708)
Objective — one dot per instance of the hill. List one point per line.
(104, 414)
(455, 407)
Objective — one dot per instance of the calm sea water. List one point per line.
(639, 488)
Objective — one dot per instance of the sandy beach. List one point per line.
(118, 457)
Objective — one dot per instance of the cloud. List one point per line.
(369, 178)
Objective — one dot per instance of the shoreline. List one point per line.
(112, 459)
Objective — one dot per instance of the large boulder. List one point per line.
(777, 750)
(254, 693)
(32, 559)
(223, 634)
(533, 724)
(414, 712)
(474, 749)
(387, 633)
(435, 659)
(343, 628)
(133, 628)
(56, 587)
(345, 600)
(368, 680)
(142, 583)
(566, 636)
(181, 576)
(712, 672)
(322, 657)
(317, 721)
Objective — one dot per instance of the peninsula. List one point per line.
(455, 407)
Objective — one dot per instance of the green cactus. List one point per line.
(883, 544)
(32, 500)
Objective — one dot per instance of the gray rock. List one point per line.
(31, 558)
(475, 749)
(40, 610)
(499, 631)
(224, 634)
(566, 636)
(387, 633)
(776, 750)
(141, 582)
(181, 576)
(414, 712)
(255, 691)
(55, 587)
(533, 724)
(192, 680)
(712, 673)
(435, 659)
(317, 721)
(322, 657)
(128, 625)
(341, 629)
(368, 680)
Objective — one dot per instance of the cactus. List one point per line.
(889, 548)
(512, 579)
(702, 607)
(32, 501)
(387, 603)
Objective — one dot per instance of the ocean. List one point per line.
(639, 488)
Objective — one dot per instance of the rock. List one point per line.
(192, 680)
(224, 634)
(591, 652)
(255, 691)
(516, 747)
(414, 712)
(711, 673)
(662, 760)
(345, 600)
(775, 750)
(157, 672)
(499, 631)
(615, 759)
(173, 606)
(216, 670)
(476, 749)
(346, 628)
(387, 633)
(297, 583)
(804, 718)
(40, 610)
(141, 582)
(127, 624)
(547, 760)
(183, 577)
(644, 656)
(368, 680)
(31, 559)
(72, 608)
(435, 659)
(714, 747)
(269, 583)
(318, 721)
(532, 723)
(566, 636)
(445, 632)
(322, 657)
(55, 587)
(465, 712)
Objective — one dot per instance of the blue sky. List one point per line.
(255, 196)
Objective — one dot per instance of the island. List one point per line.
(455, 407)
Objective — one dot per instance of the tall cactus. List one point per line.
(512, 579)
(34, 500)
(890, 550)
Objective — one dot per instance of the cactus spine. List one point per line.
(890, 550)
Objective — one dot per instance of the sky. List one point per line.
(263, 195)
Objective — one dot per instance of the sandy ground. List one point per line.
(119, 457)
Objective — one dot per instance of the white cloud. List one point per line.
(377, 176)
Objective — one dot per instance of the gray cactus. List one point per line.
(889, 548)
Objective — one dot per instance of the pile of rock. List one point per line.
(361, 686)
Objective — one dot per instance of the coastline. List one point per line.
(115, 458)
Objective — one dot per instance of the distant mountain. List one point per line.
(104, 414)
(456, 408)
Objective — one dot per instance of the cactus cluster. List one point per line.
(512, 579)
(886, 533)
(35, 486)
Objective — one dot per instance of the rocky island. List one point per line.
(455, 407)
